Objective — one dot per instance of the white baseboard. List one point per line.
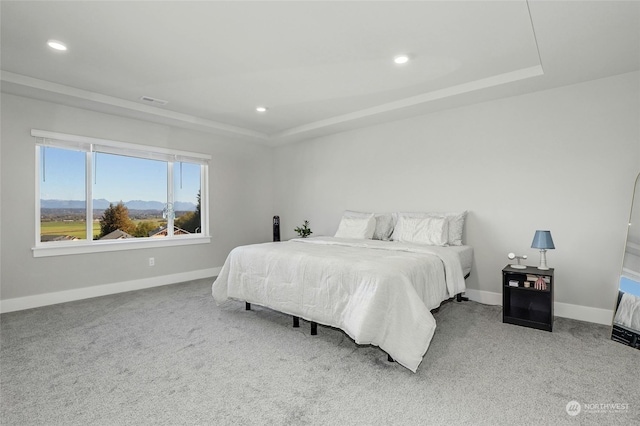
(564, 310)
(485, 297)
(583, 313)
(36, 301)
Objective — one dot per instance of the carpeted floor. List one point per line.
(170, 356)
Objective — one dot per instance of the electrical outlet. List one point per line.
(152, 261)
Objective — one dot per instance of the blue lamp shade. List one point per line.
(543, 240)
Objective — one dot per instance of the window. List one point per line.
(99, 195)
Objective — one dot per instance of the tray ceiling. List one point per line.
(318, 67)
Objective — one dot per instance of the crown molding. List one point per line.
(44, 90)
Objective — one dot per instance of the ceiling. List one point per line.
(318, 66)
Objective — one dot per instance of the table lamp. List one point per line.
(543, 241)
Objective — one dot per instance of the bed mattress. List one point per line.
(466, 257)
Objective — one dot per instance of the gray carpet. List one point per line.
(170, 356)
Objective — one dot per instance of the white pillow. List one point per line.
(384, 227)
(384, 224)
(432, 231)
(358, 227)
(456, 224)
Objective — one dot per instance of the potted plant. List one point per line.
(303, 231)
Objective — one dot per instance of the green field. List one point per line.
(77, 228)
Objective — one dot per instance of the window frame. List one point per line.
(89, 145)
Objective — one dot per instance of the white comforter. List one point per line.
(378, 292)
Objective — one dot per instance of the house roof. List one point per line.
(319, 67)
(117, 235)
(162, 231)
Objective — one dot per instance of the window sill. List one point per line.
(83, 247)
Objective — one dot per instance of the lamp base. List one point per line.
(518, 266)
(543, 260)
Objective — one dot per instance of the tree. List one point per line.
(116, 217)
(144, 228)
(190, 221)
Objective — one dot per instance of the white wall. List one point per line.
(240, 206)
(563, 159)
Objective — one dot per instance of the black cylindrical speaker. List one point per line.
(276, 228)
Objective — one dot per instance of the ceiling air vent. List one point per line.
(154, 101)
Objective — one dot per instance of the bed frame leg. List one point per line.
(390, 359)
(296, 322)
(461, 298)
(247, 306)
(314, 328)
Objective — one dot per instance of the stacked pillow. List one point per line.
(432, 231)
(382, 225)
(440, 229)
(454, 225)
(361, 226)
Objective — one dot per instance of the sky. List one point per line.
(116, 178)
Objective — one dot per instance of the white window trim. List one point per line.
(66, 248)
(141, 151)
(135, 150)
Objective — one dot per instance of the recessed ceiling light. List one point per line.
(57, 45)
(401, 59)
(261, 109)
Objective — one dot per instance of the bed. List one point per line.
(378, 291)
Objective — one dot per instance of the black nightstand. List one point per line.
(522, 303)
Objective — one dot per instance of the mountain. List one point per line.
(101, 204)
(181, 206)
(62, 204)
(144, 205)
